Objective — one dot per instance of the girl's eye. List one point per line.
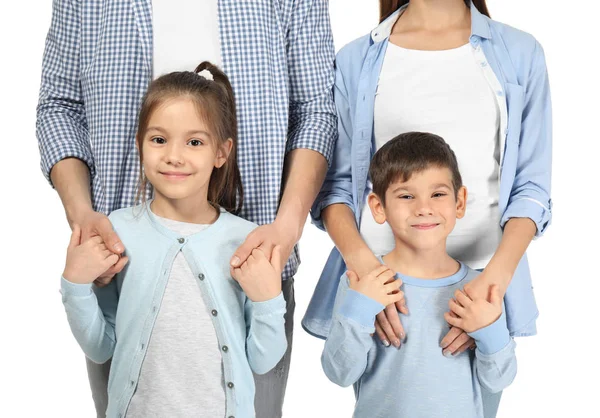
(158, 140)
(195, 142)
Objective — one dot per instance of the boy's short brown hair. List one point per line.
(411, 153)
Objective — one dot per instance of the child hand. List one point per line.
(87, 261)
(473, 313)
(375, 285)
(260, 278)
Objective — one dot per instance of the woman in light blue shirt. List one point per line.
(515, 99)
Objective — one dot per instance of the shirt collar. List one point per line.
(479, 25)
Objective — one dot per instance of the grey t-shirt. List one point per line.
(182, 373)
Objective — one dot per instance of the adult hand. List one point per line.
(95, 224)
(265, 238)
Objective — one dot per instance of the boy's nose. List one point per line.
(423, 209)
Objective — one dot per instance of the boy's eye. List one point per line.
(405, 196)
(195, 142)
(439, 194)
(158, 140)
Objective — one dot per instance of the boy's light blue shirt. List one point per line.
(116, 321)
(519, 71)
(415, 381)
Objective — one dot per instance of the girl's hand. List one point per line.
(88, 260)
(472, 313)
(259, 277)
(378, 285)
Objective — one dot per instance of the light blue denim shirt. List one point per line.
(116, 321)
(514, 65)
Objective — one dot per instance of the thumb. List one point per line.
(75, 237)
(352, 277)
(244, 251)
(495, 298)
(276, 258)
(110, 237)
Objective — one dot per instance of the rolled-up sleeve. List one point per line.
(530, 194)
(311, 54)
(61, 126)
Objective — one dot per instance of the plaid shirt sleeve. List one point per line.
(311, 54)
(61, 126)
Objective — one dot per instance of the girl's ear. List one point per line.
(376, 206)
(461, 202)
(223, 153)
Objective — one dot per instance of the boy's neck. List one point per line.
(184, 210)
(432, 263)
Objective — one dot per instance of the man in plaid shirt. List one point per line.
(100, 57)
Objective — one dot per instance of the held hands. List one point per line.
(86, 261)
(378, 285)
(472, 312)
(259, 277)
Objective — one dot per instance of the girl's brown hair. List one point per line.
(216, 106)
(387, 7)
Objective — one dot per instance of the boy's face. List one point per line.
(423, 210)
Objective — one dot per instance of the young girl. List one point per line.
(183, 335)
(443, 67)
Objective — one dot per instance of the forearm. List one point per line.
(71, 178)
(303, 174)
(518, 233)
(341, 226)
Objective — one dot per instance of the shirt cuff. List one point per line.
(526, 207)
(492, 338)
(68, 288)
(360, 308)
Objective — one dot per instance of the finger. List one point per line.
(495, 298)
(275, 260)
(456, 308)
(387, 276)
(381, 334)
(109, 236)
(75, 237)
(379, 271)
(450, 336)
(466, 346)
(455, 322)
(258, 254)
(458, 342)
(462, 298)
(392, 287)
(384, 320)
(352, 277)
(111, 260)
(103, 281)
(120, 265)
(240, 256)
(401, 306)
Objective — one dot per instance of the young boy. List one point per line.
(418, 190)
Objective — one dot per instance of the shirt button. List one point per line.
(201, 276)
(181, 240)
(230, 385)
(214, 312)
(225, 348)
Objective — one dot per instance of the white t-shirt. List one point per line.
(185, 33)
(445, 93)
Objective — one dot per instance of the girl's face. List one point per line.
(180, 152)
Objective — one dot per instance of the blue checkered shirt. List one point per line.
(97, 65)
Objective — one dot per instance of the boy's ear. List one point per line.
(376, 206)
(223, 152)
(461, 202)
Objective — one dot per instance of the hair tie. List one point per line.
(206, 74)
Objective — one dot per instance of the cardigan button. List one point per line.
(214, 312)
(201, 276)
(230, 385)
(181, 240)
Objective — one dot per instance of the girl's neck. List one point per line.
(435, 15)
(425, 264)
(195, 211)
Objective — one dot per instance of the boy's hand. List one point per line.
(88, 260)
(260, 277)
(472, 312)
(375, 285)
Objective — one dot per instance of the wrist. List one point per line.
(76, 213)
(290, 227)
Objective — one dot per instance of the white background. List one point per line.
(43, 372)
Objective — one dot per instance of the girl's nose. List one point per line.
(174, 156)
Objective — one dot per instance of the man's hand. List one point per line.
(379, 285)
(265, 238)
(260, 277)
(95, 224)
(471, 312)
(87, 260)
